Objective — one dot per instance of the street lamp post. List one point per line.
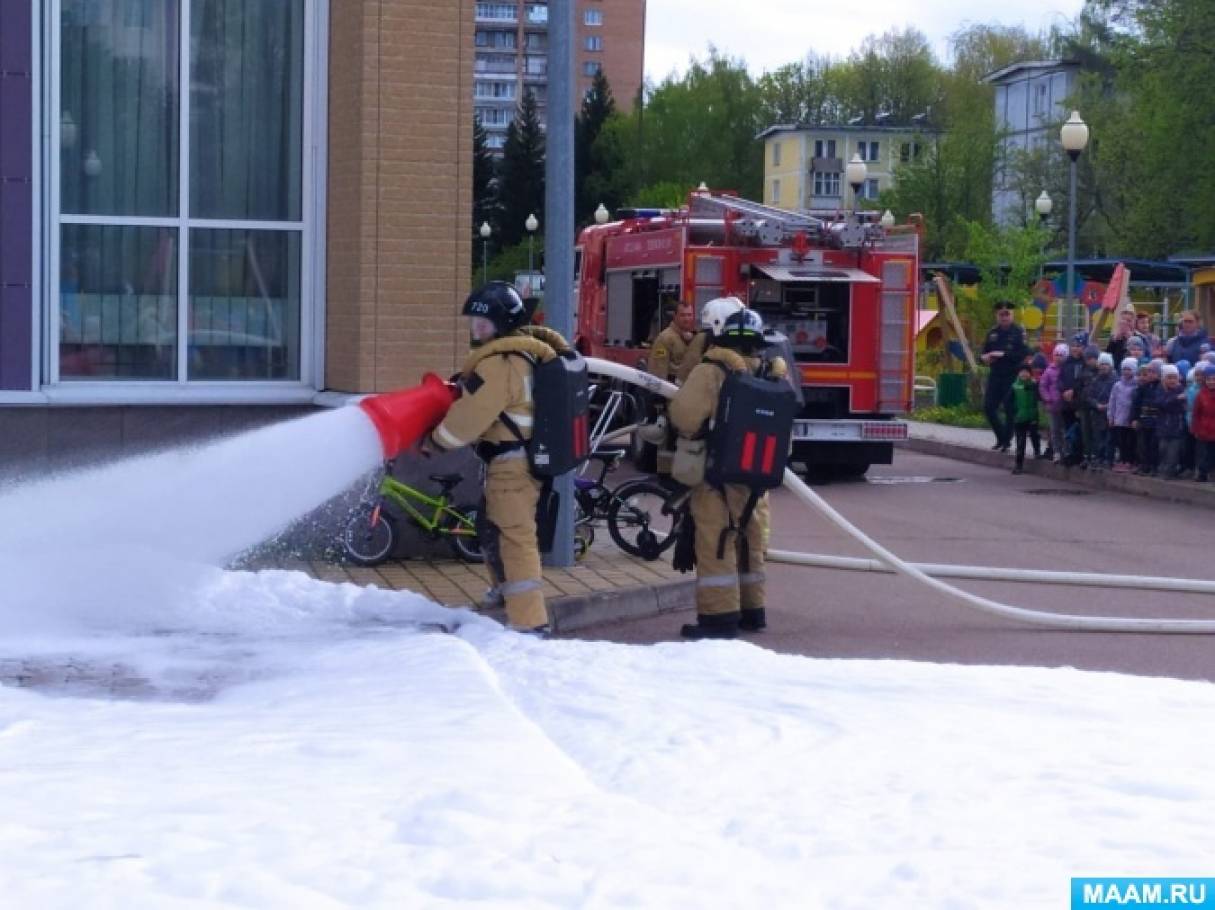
(485, 231)
(1074, 136)
(855, 173)
(1043, 205)
(531, 224)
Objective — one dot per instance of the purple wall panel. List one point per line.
(16, 194)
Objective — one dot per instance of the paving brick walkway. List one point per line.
(452, 583)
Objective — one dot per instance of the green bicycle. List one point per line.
(371, 534)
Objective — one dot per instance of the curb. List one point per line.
(581, 611)
(1185, 491)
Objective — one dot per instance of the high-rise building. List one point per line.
(511, 38)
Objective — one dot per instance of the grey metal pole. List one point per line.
(484, 261)
(1071, 238)
(559, 224)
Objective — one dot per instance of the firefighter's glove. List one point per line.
(684, 558)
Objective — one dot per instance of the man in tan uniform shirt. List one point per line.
(669, 349)
(496, 380)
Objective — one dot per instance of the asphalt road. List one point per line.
(929, 509)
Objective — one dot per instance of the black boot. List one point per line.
(712, 625)
(753, 619)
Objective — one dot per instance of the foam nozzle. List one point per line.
(403, 417)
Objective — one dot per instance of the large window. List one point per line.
(180, 206)
(826, 184)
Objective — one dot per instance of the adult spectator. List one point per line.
(1187, 343)
(1143, 328)
(1123, 332)
(1004, 350)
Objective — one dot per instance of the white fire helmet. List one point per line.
(714, 313)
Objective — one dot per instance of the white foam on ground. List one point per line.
(351, 764)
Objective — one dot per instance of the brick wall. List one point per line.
(623, 33)
(400, 190)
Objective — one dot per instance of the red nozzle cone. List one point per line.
(403, 417)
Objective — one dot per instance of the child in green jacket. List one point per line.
(1024, 395)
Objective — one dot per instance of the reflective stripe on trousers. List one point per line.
(509, 544)
(719, 587)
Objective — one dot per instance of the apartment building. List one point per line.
(224, 217)
(511, 47)
(1031, 103)
(804, 163)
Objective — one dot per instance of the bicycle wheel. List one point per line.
(636, 520)
(370, 536)
(461, 531)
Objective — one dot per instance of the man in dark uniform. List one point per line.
(1004, 351)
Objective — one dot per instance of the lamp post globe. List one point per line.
(1074, 135)
(1043, 205)
(601, 214)
(855, 173)
(887, 219)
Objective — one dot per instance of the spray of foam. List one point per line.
(140, 543)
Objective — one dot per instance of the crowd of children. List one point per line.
(1142, 415)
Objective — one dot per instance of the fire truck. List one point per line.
(842, 290)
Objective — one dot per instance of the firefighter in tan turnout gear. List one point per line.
(669, 349)
(729, 544)
(495, 402)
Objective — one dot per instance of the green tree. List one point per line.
(521, 181)
(484, 188)
(894, 74)
(702, 126)
(1009, 260)
(951, 182)
(596, 163)
(1151, 133)
(803, 92)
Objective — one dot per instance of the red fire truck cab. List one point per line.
(843, 291)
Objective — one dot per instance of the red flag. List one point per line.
(1118, 288)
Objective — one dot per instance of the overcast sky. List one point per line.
(770, 33)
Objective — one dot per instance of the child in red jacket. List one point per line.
(1202, 425)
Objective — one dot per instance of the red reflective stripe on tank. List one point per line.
(769, 453)
(580, 436)
(747, 461)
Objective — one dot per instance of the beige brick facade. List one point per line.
(399, 190)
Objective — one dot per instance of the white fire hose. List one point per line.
(888, 562)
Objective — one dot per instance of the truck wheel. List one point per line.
(850, 471)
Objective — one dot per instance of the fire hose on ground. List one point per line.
(926, 574)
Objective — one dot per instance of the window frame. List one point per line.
(310, 227)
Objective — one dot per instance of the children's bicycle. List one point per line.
(371, 534)
(638, 514)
